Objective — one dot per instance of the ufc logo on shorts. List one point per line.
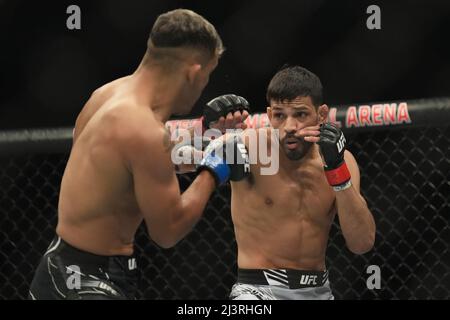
(341, 143)
(132, 264)
(308, 280)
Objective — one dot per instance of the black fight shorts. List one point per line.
(66, 272)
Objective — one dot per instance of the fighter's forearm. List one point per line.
(193, 202)
(356, 221)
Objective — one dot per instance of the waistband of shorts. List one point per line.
(71, 254)
(287, 278)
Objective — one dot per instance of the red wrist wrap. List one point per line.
(338, 176)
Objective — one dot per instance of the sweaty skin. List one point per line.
(97, 209)
(120, 172)
(283, 220)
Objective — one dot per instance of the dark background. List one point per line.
(48, 72)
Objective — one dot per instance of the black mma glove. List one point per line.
(332, 147)
(221, 106)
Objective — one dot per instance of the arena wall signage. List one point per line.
(359, 117)
(387, 115)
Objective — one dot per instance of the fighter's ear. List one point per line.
(269, 113)
(322, 112)
(193, 72)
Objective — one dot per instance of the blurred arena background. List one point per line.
(48, 72)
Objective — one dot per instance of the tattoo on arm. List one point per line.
(167, 143)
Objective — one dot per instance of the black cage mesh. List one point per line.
(405, 179)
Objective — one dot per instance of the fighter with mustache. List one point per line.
(282, 221)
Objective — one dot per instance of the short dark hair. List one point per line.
(184, 28)
(292, 82)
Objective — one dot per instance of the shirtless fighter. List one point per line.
(282, 221)
(120, 171)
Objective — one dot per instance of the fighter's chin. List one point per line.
(293, 154)
(297, 153)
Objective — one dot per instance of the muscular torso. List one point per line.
(283, 220)
(97, 209)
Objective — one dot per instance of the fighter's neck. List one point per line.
(156, 91)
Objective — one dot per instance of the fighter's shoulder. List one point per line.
(134, 127)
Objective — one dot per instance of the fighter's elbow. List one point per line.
(166, 232)
(162, 235)
(164, 241)
(363, 245)
(360, 249)
(166, 244)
